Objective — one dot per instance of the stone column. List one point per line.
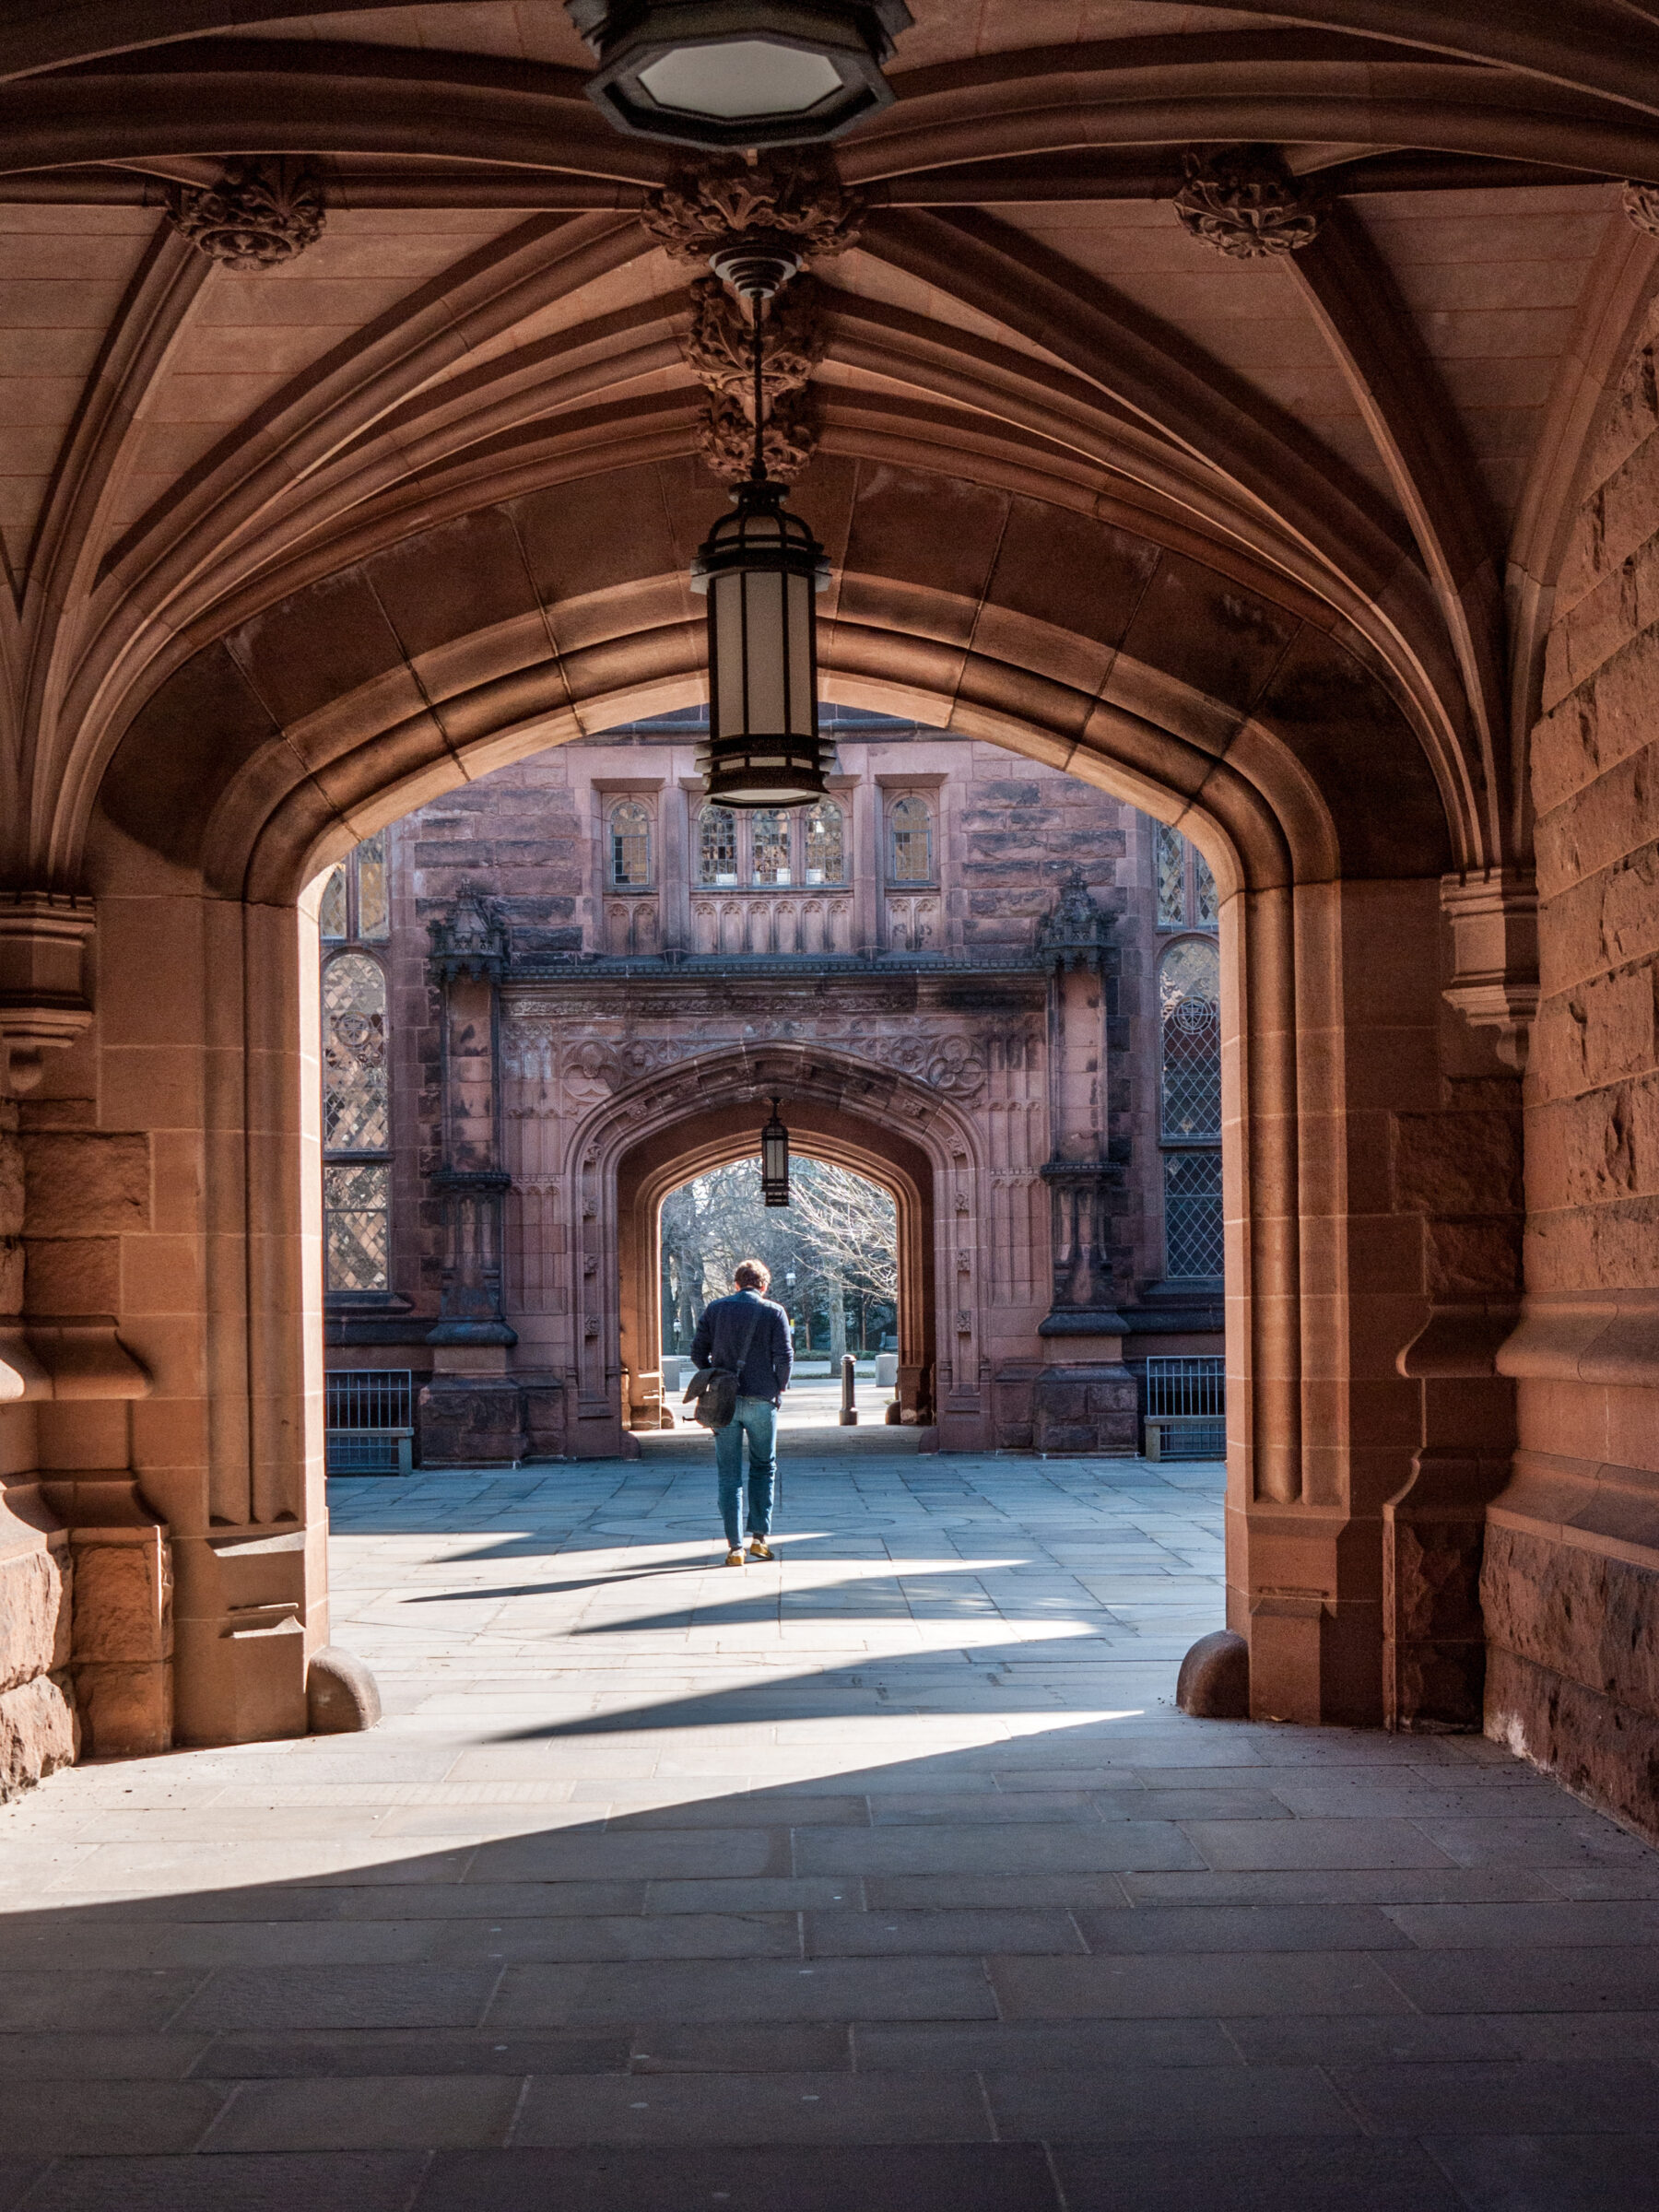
(472, 1412)
(1085, 1399)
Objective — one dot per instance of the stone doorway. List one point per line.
(826, 1127)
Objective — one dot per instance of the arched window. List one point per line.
(629, 846)
(826, 833)
(357, 1125)
(717, 845)
(769, 847)
(909, 840)
(1182, 881)
(1189, 993)
(356, 905)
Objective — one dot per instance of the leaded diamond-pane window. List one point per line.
(770, 831)
(826, 843)
(354, 1107)
(330, 915)
(356, 1246)
(717, 845)
(1189, 990)
(910, 841)
(1207, 911)
(1192, 1236)
(1168, 863)
(629, 846)
(375, 905)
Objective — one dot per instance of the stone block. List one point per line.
(34, 1614)
(1604, 1751)
(1450, 1164)
(125, 1709)
(1214, 1682)
(465, 1423)
(1580, 1616)
(341, 1695)
(38, 1732)
(86, 1182)
(122, 1596)
(1085, 1409)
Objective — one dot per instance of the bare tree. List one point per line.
(849, 1225)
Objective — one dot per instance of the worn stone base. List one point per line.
(1605, 1752)
(38, 1732)
(1573, 1668)
(468, 1423)
(1086, 1409)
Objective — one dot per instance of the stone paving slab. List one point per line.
(886, 1878)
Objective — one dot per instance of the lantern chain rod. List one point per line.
(757, 464)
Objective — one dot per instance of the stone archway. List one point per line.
(863, 1117)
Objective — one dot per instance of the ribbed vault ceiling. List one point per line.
(1387, 426)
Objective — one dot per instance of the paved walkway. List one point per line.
(885, 1880)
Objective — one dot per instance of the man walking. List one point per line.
(749, 1336)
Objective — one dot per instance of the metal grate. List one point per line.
(370, 1420)
(1186, 1408)
(1194, 1237)
(1196, 1384)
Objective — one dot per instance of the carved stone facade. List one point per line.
(949, 970)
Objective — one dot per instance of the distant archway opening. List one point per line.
(706, 1142)
(833, 1255)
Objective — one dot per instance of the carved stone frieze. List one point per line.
(262, 211)
(951, 1063)
(1243, 205)
(701, 209)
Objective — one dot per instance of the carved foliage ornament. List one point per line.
(1641, 204)
(262, 213)
(701, 210)
(726, 440)
(1244, 206)
(719, 346)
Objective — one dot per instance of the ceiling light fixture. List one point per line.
(739, 73)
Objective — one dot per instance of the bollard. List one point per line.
(849, 1412)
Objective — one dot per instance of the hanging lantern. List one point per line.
(739, 73)
(774, 1161)
(760, 570)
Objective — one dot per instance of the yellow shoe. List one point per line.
(760, 1549)
(733, 1558)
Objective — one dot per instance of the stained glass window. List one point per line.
(629, 846)
(354, 1115)
(1193, 1229)
(1168, 863)
(330, 915)
(1189, 991)
(1206, 909)
(769, 849)
(909, 840)
(355, 1217)
(826, 843)
(717, 845)
(375, 907)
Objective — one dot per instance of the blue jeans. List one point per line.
(757, 1419)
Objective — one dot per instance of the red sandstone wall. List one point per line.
(1570, 1585)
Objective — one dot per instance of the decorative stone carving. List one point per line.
(263, 212)
(1075, 933)
(719, 348)
(727, 441)
(1244, 206)
(470, 940)
(1641, 205)
(701, 210)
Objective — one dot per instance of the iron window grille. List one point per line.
(369, 1421)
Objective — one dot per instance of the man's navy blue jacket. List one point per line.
(720, 1335)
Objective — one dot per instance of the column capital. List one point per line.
(43, 936)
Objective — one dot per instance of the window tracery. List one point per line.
(1189, 992)
(769, 847)
(717, 846)
(629, 846)
(909, 840)
(356, 909)
(826, 843)
(1182, 883)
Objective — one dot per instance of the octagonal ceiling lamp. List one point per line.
(739, 73)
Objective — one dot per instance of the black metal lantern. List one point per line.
(774, 1161)
(760, 570)
(739, 73)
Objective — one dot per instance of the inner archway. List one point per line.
(826, 1129)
